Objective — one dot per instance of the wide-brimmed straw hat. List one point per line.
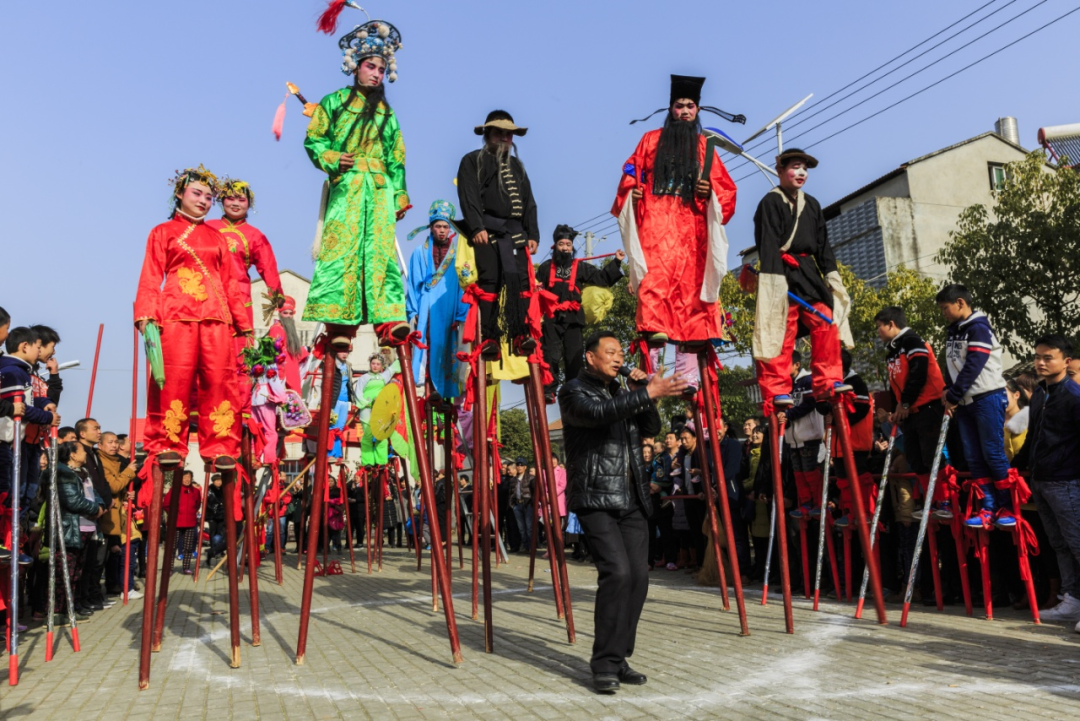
(503, 121)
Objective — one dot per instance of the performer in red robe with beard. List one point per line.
(284, 328)
(672, 224)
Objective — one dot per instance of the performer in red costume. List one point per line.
(672, 221)
(249, 247)
(284, 328)
(189, 290)
(793, 247)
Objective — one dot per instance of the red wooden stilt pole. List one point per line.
(250, 540)
(228, 491)
(128, 505)
(448, 488)
(781, 523)
(706, 476)
(984, 565)
(153, 536)
(342, 479)
(482, 486)
(832, 562)
(381, 491)
(93, 373)
(202, 522)
(934, 570)
(961, 542)
(712, 413)
(370, 498)
(276, 519)
(556, 546)
(841, 419)
(428, 492)
(540, 501)
(166, 565)
(321, 444)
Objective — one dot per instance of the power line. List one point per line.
(820, 110)
(949, 76)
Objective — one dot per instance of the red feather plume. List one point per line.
(329, 19)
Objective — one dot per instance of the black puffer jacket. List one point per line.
(603, 424)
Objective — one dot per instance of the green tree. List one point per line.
(514, 435)
(1020, 258)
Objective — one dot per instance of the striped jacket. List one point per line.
(972, 360)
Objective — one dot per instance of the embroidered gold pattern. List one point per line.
(175, 417)
(223, 418)
(191, 283)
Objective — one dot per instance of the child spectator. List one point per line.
(187, 518)
(917, 388)
(975, 395)
(1051, 452)
(1016, 419)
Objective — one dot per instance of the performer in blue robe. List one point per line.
(433, 302)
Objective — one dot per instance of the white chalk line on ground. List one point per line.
(793, 678)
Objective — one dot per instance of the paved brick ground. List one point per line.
(377, 651)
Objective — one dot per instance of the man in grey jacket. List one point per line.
(608, 489)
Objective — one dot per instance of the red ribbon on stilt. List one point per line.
(472, 296)
(1027, 544)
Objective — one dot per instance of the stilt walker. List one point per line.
(187, 308)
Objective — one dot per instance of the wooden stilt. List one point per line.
(540, 502)
(228, 490)
(482, 489)
(202, 524)
(276, 520)
(781, 522)
(321, 444)
(153, 537)
(166, 565)
(343, 478)
(250, 539)
(427, 490)
(556, 549)
(842, 426)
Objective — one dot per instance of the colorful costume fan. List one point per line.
(152, 340)
(374, 38)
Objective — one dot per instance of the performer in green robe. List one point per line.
(368, 387)
(354, 137)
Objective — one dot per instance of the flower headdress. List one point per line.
(187, 176)
(232, 188)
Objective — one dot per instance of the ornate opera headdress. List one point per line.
(231, 188)
(685, 86)
(375, 38)
(440, 210)
(187, 176)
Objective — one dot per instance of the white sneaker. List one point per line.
(135, 595)
(1067, 610)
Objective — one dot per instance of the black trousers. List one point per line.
(563, 348)
(490, 272)
(921, 431)
(619, 542)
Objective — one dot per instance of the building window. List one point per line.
(998, 174)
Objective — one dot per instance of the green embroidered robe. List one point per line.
(357, 278)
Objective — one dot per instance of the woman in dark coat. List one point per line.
(73, 504)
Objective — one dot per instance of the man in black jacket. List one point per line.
(1051, 451)
(608, 489)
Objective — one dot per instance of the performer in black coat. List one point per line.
(565, 276)
(496, 198)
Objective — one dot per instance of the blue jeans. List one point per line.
(982, 432)
(1059, 509)
(523, 514)
(283, 524)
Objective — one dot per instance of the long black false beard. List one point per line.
(676, 170)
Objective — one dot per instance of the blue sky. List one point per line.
(103, 101)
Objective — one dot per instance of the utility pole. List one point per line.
(589, 243)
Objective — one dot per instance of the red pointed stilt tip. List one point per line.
(48, 646)
(903, 616)
(328, 21)
(765, 594)
(817, 598)
(13, 671)
(75, 640)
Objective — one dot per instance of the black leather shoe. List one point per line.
(632, 677)
(605, 682)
